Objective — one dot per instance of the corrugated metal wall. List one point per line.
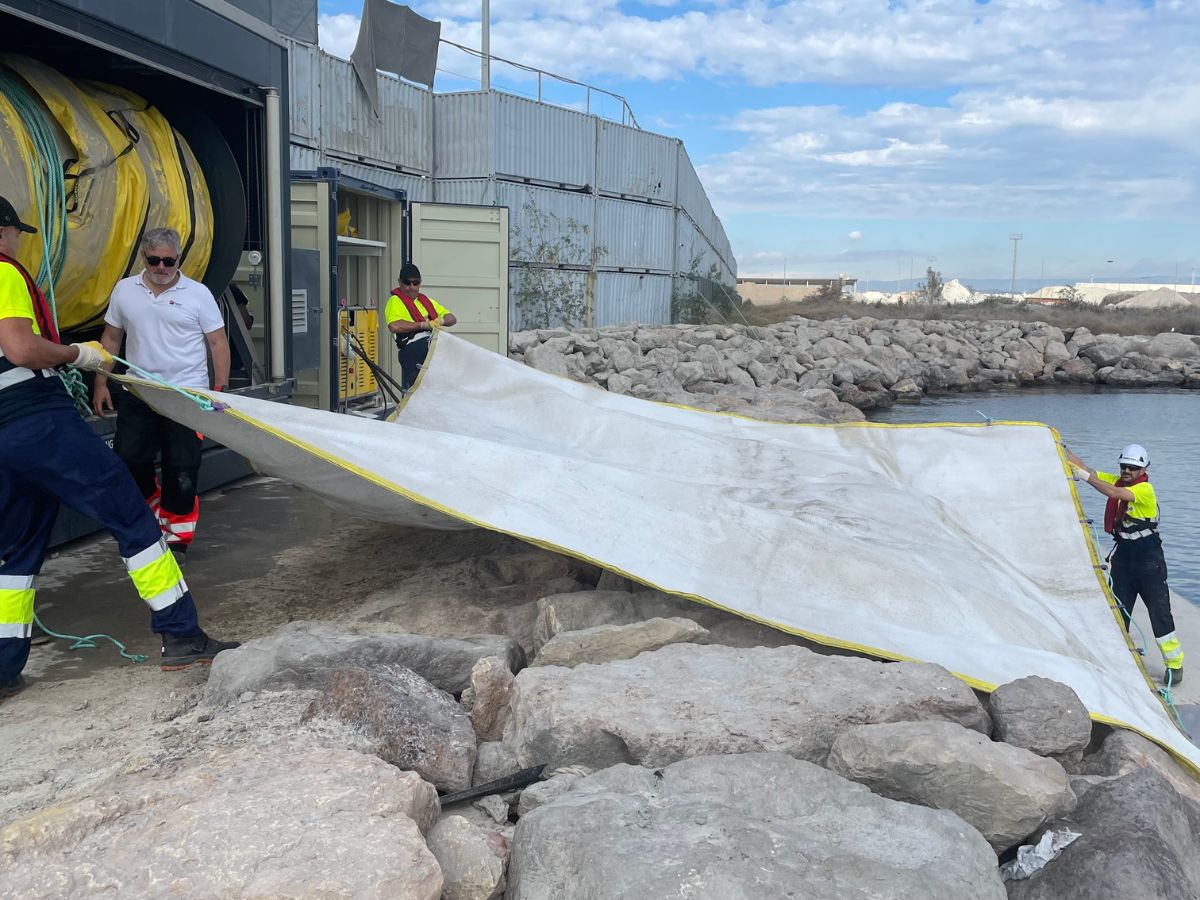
(620, 211)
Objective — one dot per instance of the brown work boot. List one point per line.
(199, 649)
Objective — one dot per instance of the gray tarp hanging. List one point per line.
(292, 18)
(395, 39)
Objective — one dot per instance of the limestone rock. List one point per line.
(1123, 752)
(1043, 716)
(743, 827)
(1172, 345)
(491, 684)
(546, 359)
(494, 760)
(532, 565)
(543, 792)
(473, 860)
(412, 724)
(1005, 792)
(689, 699)
(1139, 839)
(579, 610)
(604, 643)
(287, 820)
(301, 655)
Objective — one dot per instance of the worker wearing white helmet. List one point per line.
(1138, 565)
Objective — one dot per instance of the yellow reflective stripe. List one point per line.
(157, 577)
(1172, 650)
(16, 602)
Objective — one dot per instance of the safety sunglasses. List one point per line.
(1125, 468)
(167, 261)
(411, 283)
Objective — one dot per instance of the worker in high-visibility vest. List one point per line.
(48, 456)
(1138, 564)
(411, 317)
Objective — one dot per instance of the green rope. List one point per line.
(203, 402)
(88, 642)
(50, 192)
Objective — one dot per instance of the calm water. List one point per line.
(1096, 424)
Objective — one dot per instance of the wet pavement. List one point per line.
(84, 590)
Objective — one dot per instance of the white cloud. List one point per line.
(338, 34)
(855, 235)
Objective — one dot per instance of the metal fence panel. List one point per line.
(636, 163)
(398, 136)
(546, 143)
(625, 297)
(462, 147)
(633, 235)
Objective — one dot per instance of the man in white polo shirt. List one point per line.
(168, 319)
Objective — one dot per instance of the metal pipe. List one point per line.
(485, 56)
(275, 247)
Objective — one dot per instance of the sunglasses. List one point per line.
(1125, 468)
(416, 283)
(167, 261)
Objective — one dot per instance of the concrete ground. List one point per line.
(266, 554)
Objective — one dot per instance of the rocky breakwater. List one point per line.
(687, 753)
(803, 370)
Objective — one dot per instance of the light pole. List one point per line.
(1012, 292)
(485, 58)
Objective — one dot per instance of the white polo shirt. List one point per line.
(166, 333)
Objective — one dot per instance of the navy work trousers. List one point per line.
(53, 457)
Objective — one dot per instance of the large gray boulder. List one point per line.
(1139, 839)
(1005, 792)
(690, 700)
(301, 655)
(604, 643)
(473, 859)
(743, 827)
(1173, 345)
(411, 724)
(1124, 752)
(1041, 715)
(288, 820)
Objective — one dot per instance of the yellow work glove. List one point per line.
(92, 356)
(437, 323)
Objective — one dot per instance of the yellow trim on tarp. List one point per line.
(825, 640)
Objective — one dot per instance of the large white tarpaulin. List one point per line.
(962, 545)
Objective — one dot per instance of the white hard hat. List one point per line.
(1134, 455)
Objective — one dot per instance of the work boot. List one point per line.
(1173, 677)
(11, 686)
(181, 652)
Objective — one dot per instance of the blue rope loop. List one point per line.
(203, 402)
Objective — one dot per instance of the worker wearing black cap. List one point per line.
(48, 456)
(411, 317)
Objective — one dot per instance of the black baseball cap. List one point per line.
(8, 216)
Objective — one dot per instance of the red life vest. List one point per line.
(410, 304)
(1114, 509)
(41, 308)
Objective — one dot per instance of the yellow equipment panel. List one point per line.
(355, 378)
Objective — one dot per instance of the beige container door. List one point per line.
(462, 252)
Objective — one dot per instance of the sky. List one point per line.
(871, 137)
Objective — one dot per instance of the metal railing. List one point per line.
(627, 116)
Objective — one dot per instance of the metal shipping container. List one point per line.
(633, 235)
(529, 284)
(625, 297)
(634, 163)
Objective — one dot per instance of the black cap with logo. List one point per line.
(8, 216)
